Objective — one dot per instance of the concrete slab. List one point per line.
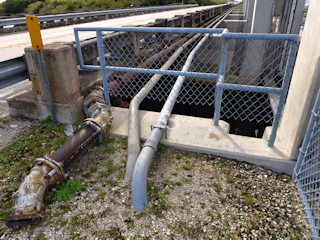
(200, 135)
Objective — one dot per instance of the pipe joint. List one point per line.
(152, 143)
(100, 119)
(98, 113)
(56, 167)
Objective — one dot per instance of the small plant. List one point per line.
(4, 120)
(77, 123)
(249, 200)
(163, 148)
(186, 167)
(178, 183)
(109, 140)
(68, 190)
(110, 149)
(178, 156)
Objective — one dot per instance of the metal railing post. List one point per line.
(219, 89)
(284, 88)
(53, 115)
(103, 68)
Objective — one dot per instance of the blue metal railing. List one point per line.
(103, 68)
(282, 91)
(221, 85)
(307, 171)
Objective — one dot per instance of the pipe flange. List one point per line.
(53, 164)
(96, 126)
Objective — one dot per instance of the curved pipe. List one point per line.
(134, 130)
(140, 172)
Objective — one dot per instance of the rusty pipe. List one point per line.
(49, 171)
(121, 81)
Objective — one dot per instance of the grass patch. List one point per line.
(110, 149)
(186, 167)
(68, 190)
(4, 120)
(249, 200)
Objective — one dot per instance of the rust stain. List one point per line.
(213, 136)
(173, 124)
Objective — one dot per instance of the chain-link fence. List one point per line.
(307, 171)
(238, 76)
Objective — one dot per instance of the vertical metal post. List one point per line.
(307, 136)
(54, 120)
(76, 36)
(244, 56)
(284, 89)
(103, 68)
(219, 89)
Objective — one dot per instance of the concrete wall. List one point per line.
(262, 16)
(304, 85)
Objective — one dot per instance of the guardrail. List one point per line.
(61, 17)
(11, 68)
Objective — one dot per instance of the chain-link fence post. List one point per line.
(103, 69)
(284, 88)
(219, 90)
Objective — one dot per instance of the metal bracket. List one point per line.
(160, 127)
(35, 84)
(302, 152)
(314, 114)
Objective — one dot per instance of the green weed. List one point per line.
(4, 120)
(68, 190)
(186, 167)
(249, 200)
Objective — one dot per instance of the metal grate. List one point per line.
(241, 76)
(307, 171)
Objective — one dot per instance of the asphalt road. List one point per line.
(12, 45)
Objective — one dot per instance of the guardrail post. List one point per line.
(192, 20)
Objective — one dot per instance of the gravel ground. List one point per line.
(191, 196)
(10, 127)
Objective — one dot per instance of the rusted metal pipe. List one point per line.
(121, 81)
(49, 171)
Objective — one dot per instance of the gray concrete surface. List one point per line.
(200, 135)
(10, 91)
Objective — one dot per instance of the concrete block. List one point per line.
(61, 70)
(28, 105)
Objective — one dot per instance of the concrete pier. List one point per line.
(304, 85)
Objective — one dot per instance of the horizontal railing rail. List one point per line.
(46, 18)
(249, 76)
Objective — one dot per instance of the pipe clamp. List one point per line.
(160, 127)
